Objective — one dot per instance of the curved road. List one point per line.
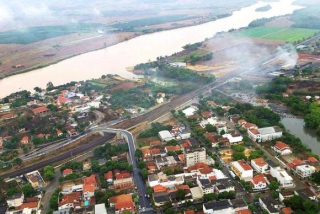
(137, 177)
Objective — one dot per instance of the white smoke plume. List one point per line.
(288, 55)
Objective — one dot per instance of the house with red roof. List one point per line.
(72, 200)
(159, 188)
(41, 135)
(155, 143)
(89, 186)
(282, 148)
(259, 183)
(146, 154)
(24, 140)
(312, 159)
(241, 122)
(151, 166)
(186, 145)
(122, 203)
(248, 126)
(242, 169)
(108, 176)
(66, 172)
(41, 111)
(172, 148)
(59, 133)
(63, 101)
(206, 114)
(123, 175)
(211, 136)
(155, 152)
(244, 211)
(254, 134)
(259, 165)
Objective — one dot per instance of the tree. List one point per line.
(17, 161)
(210, 128)
(48, 173)
(49, 85)
(11, 192)
(149, 190)
(37, 89)
(222, 132)
(144, 173)
(274, 185)
(181, 194)
(28, 190)
(138, 153)
(170, 211)
(238, 156)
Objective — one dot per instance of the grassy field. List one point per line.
(38, 33)
(199, 52)
(278, 33)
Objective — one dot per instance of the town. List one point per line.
(203, 157)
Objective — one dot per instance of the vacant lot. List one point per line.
(278, 33)
(126, 86)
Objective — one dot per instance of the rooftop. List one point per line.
(259, 161)
(217, 205)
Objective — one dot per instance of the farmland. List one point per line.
(39, 33)
(278, 33)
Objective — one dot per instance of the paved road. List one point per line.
(138, 180)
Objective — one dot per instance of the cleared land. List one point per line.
(278, 33)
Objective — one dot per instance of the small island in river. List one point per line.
(264, 8)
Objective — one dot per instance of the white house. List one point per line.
(218, 207)
(305, 171)
(15, 200)
(164, 180)
(242, 169)
(160, 100)
(100, 208)
(94, 104)
(285, 180)
(189, 111)
(233, 138)
(259, 165)
(220, 127)
(165, 135)
(282, 148)
(205, 185)
(259, 183)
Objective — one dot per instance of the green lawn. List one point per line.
(278, 33)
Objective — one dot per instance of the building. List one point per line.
(123, 183)
(15, 200)
(178, 64)
(239, 204)
(196, 193)
(41, 111)
(193, 156)
(108, 176)
(259, 183)
(305, 171)
(72, 200)
(35, 179)
(281, 175)
(205, 185)
(160, 198)
(282, 148)
(189, 111)
(25, 140)
(63, 101)
(242, 169)
(66, 172)
(265, 134)
(218, 207)
(100, 209)
(307, 194)
(223, 185)
(269, 205)
(89, 186)
(249, 126)
(259, 165)
(122, 203)
(165, 135)
(233, 138)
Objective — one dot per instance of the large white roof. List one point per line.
(267, 130)
(165, 134)
(189, 111)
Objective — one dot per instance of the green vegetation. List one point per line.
(102, 197)
(128, 98)
(154, 130)
(129, 26)
(28, 190)
(264, 8)
(259, 22)
(278, 33)
(192, 46)
(38, 33)
(53, 203)
(315, 177)
(300, 205)
(48, 173)
(307, 18)
(108, 150)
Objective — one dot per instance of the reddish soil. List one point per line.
(308, 56)
(126, 86)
